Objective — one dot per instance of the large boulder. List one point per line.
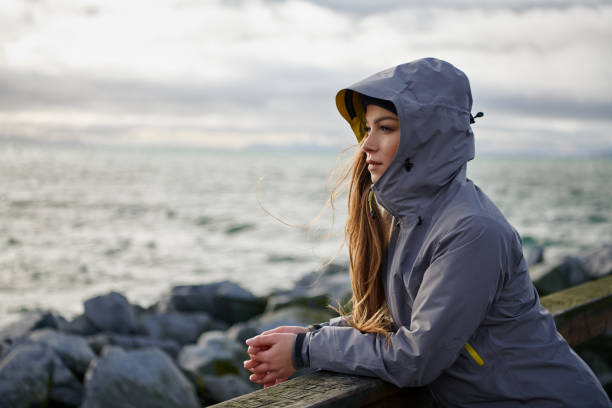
(184, 328)
(225, 301)
(74, 351)
(134, 379)
(111, 313)
(132, 342)
(33, 375)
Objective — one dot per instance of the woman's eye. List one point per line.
(367, 129)
(386, 129)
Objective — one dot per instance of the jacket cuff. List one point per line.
(297, 359)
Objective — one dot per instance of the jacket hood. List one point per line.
(433, 101)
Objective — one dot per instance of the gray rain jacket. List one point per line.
(467, 319)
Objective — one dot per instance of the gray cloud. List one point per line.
(545, 106)
(361, 7)
(262, 71)
(306, 88)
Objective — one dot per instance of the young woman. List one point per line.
(441, 292)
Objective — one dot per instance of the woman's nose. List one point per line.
(368, 144)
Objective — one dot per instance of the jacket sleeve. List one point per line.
(457, 289)
(334, 321)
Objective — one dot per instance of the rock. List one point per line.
(33, 375)
(184, 328)
(312, 298)
(215, 354)
(221, 341)
(50, 320)
(569, 272)
(21, 327)
(240, 332)
(597, 353)
(533, 254)
(598, 263)
(74, 351)
(225, 301)
(66, 388)
(133, 379)
(112, 313)
(24, 374)
(314, 291)
(132, 342)
(5, 348)
(80, 326)
(291, 316)
(221, 388)
(310, 279)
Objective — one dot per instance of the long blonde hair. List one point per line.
(367, 236)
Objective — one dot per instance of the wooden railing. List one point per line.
(581, 313)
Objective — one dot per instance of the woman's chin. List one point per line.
(374, 177)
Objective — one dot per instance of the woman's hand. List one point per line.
(271, 355)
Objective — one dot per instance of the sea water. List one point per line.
(79, 221)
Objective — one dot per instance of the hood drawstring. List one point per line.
(473, 118)
(420, 220)
(370, 196)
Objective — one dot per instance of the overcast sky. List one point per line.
(234, 73)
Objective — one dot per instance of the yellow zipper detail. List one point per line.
(370, 196)
(474, 354)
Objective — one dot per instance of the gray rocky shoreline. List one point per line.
(187, 349)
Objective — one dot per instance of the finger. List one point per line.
(280, 380)
(262, 340)
(250, 364)
(275, 330)
(255, 350)
(257, 377)
(270, 376)
(266, 356)
(260, 368)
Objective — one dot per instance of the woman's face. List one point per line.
(382, 139)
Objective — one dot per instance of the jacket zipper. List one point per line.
(474, 354)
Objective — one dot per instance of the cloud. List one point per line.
(383, 6)
(193, 72)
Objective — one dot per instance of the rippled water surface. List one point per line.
(79, 221)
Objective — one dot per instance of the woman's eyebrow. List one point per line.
(384, 118)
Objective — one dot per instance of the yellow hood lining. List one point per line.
(350, 107)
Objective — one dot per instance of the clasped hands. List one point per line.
(271, 355)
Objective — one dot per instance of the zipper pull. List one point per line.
(370, 196)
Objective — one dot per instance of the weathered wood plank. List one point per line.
(323, 389)
(581, 313)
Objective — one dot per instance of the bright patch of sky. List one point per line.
(237, 73)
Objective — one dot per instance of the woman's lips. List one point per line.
(372, 164)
